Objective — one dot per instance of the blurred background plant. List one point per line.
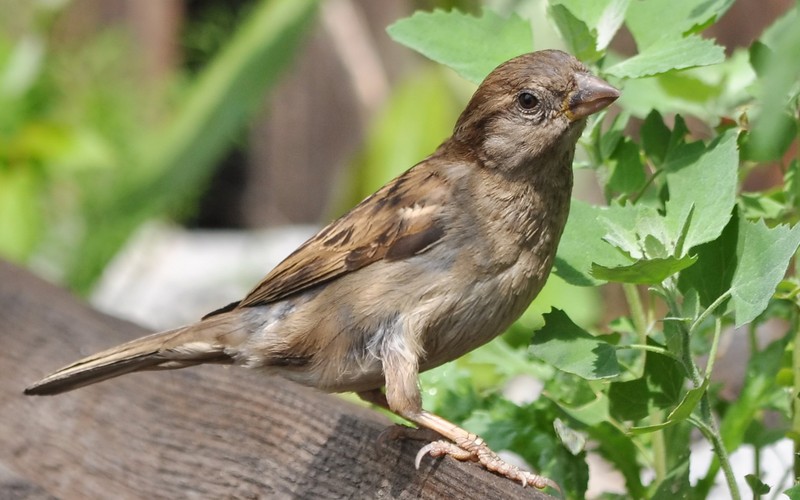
(263, 113)
(90, 148)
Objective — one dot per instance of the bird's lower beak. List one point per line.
(592, 95)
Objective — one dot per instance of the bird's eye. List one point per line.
(527, 100)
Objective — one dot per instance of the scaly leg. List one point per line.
(398, 431)
(462, 445)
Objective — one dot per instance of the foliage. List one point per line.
(694, 255)
(105, 171)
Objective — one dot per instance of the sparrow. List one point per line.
(437, 262)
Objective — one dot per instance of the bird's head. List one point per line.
(531, 107)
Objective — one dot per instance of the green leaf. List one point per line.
(591, 414)
(653, 20)
(702, 85)
(572, 440)
(716, 263)
(582, 242)
(627, 174)
(793, 493)
(764, 255)
(761, 434)
(659, 388)
(756, 485)
(760, 55)
(758, 147)
(506, 362)
(682, 154)
(472, 46)
(643, 271)
(763, 206)
(579, 38)
(529, 431)
(665, 378)
(705, 92)
(582, 304)
(689, 186)
(640, 430)
(678, 414)
(645, 238)
(602, 18)
(676, 483)
(629, 400)
(608, 141)
(496, 423)
(572, 349)
(655, 137)
(688, 403)
(651, 246)
(791, 183)
(610, 21)
(773, 125)
(448, 391)
(669, 54)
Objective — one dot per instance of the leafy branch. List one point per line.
(676, 228)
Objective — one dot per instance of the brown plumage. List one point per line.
(436, 263)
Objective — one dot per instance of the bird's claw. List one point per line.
(441, 448)
(476, 450)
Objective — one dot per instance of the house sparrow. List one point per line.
(436, 263)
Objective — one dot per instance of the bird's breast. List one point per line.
(512, 247)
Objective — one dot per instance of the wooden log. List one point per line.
(203, 432)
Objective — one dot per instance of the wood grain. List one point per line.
(205, 432)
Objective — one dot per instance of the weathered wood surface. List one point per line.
(204, 432)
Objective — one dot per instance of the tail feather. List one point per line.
(159, 351)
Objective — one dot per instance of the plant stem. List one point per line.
(647, 184)
(710, 309)
(651, 348)
(706, 424)
(712, 355)
(719, 446)
(756, 466)
(711, 433)
(796, 393)
(668, 292)
(659, 448)
(639, 318)
(637, 311)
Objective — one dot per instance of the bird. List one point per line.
(439, 261)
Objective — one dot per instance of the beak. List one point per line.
(592, 95)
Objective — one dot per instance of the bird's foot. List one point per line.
(474, 449)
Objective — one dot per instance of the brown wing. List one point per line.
(401, 220)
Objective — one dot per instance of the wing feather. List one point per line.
(399, 221)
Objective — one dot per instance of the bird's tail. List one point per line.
(187, 346)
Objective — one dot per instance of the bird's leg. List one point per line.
(465, 446)
(403, 398)
(397, 431)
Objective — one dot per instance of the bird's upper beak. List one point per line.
(591, 95)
